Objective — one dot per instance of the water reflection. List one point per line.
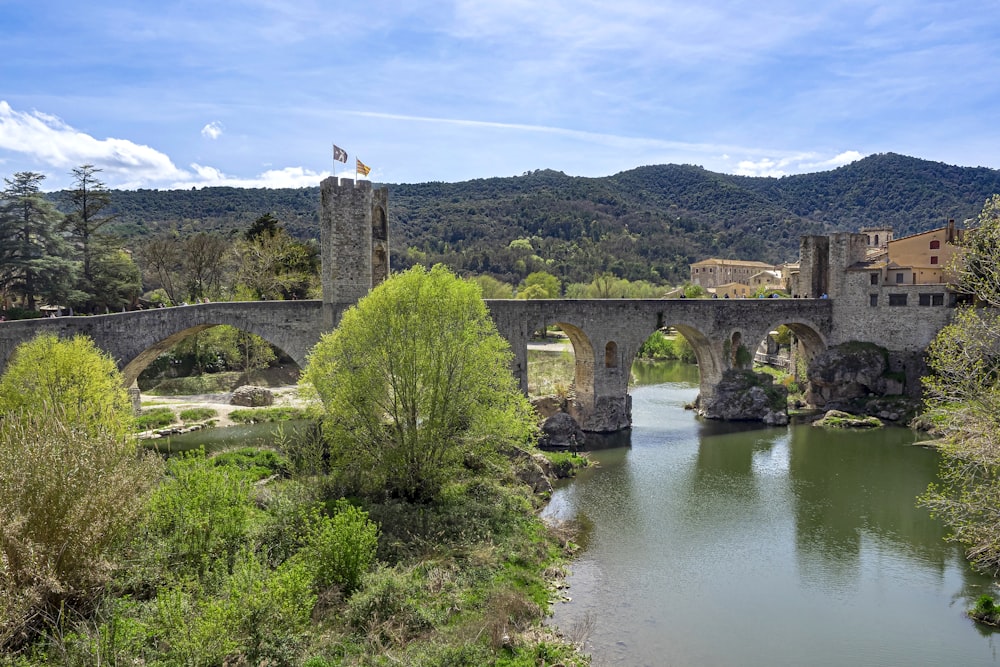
(730, 544)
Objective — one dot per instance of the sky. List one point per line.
(255, 93)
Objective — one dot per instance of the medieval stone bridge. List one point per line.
(606, 335)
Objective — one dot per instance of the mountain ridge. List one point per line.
(647, 223)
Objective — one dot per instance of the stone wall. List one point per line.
(354, 238)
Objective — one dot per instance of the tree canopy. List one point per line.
(415, 385)
(72, 375)
(962, 396)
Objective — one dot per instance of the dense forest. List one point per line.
(648, 223)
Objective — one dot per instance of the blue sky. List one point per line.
(255, 93)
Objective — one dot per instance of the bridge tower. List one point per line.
(354, 242)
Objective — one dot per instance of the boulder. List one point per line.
(847, 372)
(747, 396)
(535, 471)
(840, 419)
(560, 431)
(546, 406)
(250, 396)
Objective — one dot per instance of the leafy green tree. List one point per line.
(978, 269)
(493, 288)
(962, 397)
(116, 281)
(276, 266)
(36, 257)
(265, 225)
(539, 285)
(415, 385)
(694, 291)
(72, 374)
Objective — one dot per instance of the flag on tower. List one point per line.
(339, 154)
(363, 168)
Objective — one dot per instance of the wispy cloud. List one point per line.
(460, 89)
(289, 177)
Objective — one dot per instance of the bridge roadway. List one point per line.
(606, 335)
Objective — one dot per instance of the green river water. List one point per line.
(729, 545)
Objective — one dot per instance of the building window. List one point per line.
(897, 299)
(899, 277)
(873, 299)
(874, 278)
(934, 259)
(925, 299)
(937, 299)
(935, 244)
(876, 239)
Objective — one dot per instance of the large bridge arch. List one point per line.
(134, 339)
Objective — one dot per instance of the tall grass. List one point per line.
(66, 498)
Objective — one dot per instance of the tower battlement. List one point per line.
(354, 239)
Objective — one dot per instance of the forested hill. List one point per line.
(646, 223)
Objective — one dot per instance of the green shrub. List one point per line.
(986, 611)
(341, 548)
(386, 607)
(266, 415)
(70, 375)
(154, 418)
(200, 515)
(565, 464)
(198, 414)
(661, 347)
(256, 463)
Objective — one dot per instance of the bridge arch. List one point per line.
(134, 339)
(133, 369)
(809, 339)
(583, 362)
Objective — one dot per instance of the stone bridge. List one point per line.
(606, 335)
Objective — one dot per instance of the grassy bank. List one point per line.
(223, 570)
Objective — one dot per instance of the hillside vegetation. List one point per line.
(648, 223)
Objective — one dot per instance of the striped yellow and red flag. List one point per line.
(363, 168)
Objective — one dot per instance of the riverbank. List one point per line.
(284, 396)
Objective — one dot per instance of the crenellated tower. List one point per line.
(354, 241)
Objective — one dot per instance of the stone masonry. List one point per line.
(606, 333)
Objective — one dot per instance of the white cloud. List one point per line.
(839, 160)
(212, 131)
(50, 141)
(288, 177)
(793, 164)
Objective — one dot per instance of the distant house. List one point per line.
(768, 279)
(733, 291)
(714, 272)
(919, 259)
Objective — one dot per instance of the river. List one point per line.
(724, 545)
